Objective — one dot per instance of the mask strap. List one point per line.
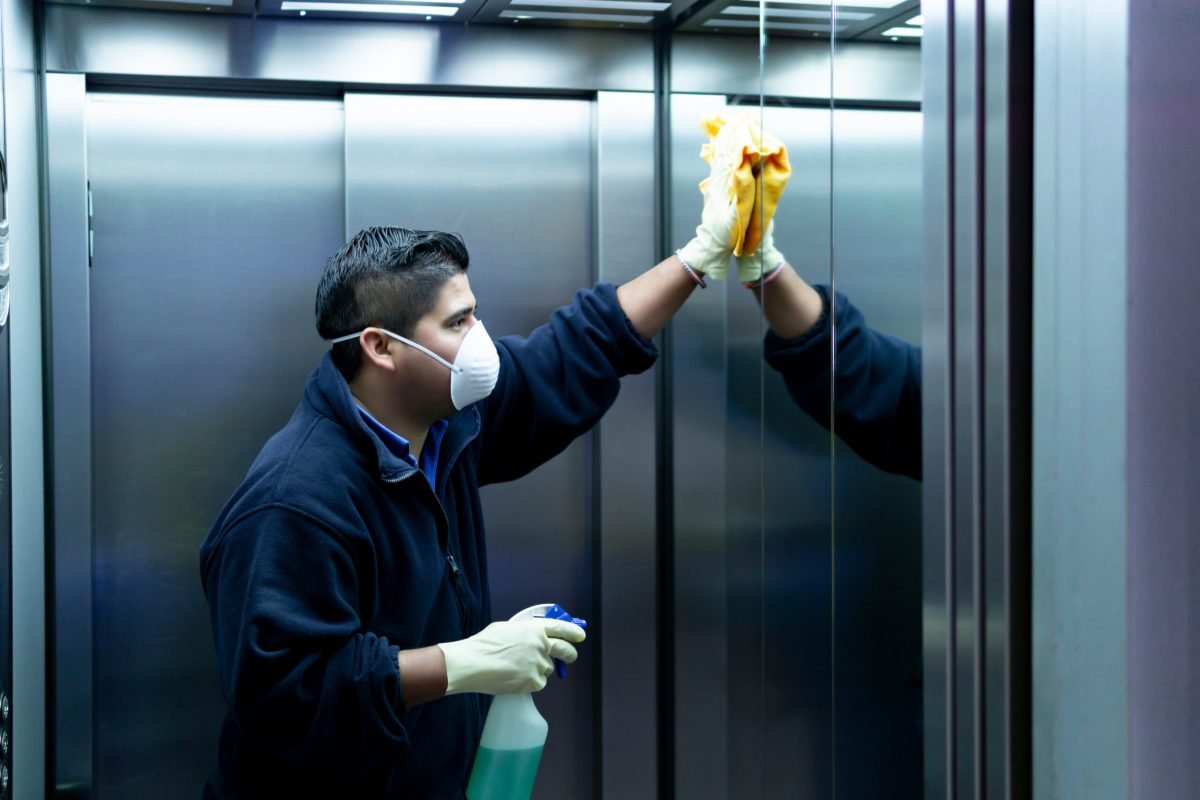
(408, 342)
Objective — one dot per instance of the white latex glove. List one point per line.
(752, 266)
(708, 252)
(509, 657)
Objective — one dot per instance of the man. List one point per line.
(347, 576)
(877, 396)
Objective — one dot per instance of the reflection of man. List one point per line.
(347, 576)
(877, 396)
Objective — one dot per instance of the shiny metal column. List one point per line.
(23, 157)
(626, 640)
(937, 495)
(978, 407)
(1007, 404)
(70, 431)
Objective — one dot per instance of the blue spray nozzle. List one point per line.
(558, 612)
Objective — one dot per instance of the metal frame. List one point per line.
(977, 416)
(70, 435)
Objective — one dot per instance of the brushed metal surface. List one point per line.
(213, 217)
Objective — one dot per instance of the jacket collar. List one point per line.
(329, 395)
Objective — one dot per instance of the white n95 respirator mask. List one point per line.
(475, 370)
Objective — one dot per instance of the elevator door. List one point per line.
(212, 220)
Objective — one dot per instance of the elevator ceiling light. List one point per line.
(371, 8)
(580, 17)
(615, 5)
(846, 15)
(855, 3)
(919, 19)
(782, 13)
(775, 26)
(911, 33)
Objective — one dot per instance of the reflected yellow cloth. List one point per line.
(758, 166)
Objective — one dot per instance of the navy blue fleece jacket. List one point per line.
(333, 554)
(878, 391)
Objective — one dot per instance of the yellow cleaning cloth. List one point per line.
(758, 166)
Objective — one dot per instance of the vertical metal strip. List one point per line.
(596, 494)
(626, 571)
(1007, 273)
(664, 423)
(938, 412)
(69, 522)
(964, 379)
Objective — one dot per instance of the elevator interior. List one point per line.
(754, 586)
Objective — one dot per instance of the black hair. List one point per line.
(385, 277)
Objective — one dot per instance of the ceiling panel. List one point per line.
(863, 20)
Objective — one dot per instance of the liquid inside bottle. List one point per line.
(503, 774)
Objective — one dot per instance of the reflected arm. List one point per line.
(877, 396)
(790, 305)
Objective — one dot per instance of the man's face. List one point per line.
(442, 331)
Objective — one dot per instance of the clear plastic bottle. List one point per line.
(514, 734)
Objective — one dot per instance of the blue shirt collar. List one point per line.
(400, 448)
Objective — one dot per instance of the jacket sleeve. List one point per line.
(556, 384)
(303, 683)
(878, 390)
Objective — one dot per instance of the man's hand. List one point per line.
(510, 657)
(709, 251)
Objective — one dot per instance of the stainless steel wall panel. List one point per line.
(523, 197)
(213, 217)
(1081, 656)
(876, 207)
(160, 44)
(704, 671)
(70, 426)
(23, 157)
(627, 635)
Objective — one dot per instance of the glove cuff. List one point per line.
(705, 255)
(455, 672)
(757, 265)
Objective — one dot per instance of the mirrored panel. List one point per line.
(798, 563)
(753, 567)
(877, 269)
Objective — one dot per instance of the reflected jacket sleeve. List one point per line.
(558, 382)
(302, 681)
(878, 390)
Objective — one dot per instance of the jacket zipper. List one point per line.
(456, 577)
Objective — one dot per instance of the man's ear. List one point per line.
(376, 349)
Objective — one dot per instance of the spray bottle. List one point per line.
(514, 734)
